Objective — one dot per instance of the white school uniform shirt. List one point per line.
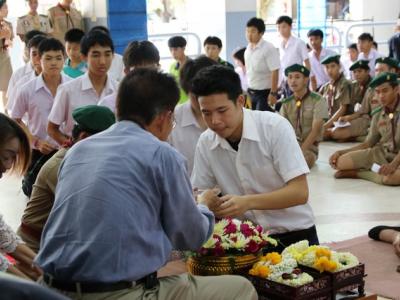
(186, 133)
(23, 71)
(116, 70)
(76, 93)
(268, 157)
(317, 69)
(36, 100)
(372, 56)
(294, 52)
(109, 101)
(260, 62)
(346, 63)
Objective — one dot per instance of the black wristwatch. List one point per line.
(275, 94)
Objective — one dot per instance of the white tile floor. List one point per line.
(343, 208)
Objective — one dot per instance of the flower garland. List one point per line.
(232, 236)
(320, 258)
(275, 267)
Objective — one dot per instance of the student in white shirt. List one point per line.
(36, 100)
(367, 52)
(116, 70)
(292, 51)
(98, 49)
(137, 54)
(254, 158)
(348, 59)
(317, 54)
(29, 71)
(262, 67)
(189, 120)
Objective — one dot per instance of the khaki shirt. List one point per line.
(29, 22)
(313, 107)
(41, 201)
(358, 91)
(370, 104)
(336, 94)
(381, 132)
(61, 22)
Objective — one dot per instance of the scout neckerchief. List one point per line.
(331, 93)
(299, 102)
(393, 120)
(363, 87)
(67, 12)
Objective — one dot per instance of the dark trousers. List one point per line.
(37, 161)
(259, 100)
(288, 238)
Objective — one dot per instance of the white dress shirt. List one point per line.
(186, 133)
(110, 101)
(35, 99)
(317, 69)
(372, 56)
(23, 71)
(268, 157)
(294, 52)
(116, 70)
(260, 62)
(76, 93)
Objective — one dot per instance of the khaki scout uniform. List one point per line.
(5, 60)
(337, 93)
(384, 135)
(29, 22)
(301, 113)
(358, 91)
(63, 20)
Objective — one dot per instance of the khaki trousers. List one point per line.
(184, 286)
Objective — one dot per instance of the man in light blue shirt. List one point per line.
(124, 201)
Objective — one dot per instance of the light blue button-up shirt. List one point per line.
(123, 202)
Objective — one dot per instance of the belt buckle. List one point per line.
(151, 281)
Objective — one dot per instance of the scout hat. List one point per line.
(382, 78)
(297, 68)
(332, 58)
(391, 62)
(93, 118)
(360, 64)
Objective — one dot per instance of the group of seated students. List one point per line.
(109, 202)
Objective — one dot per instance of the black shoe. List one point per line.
(374, 232)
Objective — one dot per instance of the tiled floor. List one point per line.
(343, 208)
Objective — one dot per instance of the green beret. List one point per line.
(382, 78)
(391, 62)
(297, 68)
(360, 64)
(93, 118)
(332, 58)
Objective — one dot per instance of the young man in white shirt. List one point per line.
(292, 50)
(189, 120)
(36, 100)
(367, 52)
(262, 67)
(348, 59)
(27, 72)
(318, 75)
(138, 54)
(98, 49)
(254, 158)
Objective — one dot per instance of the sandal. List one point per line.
(374, 232)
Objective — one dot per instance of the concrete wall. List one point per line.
(237, 13)
(386, 10)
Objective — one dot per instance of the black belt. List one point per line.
(257, 91)
(149, 282)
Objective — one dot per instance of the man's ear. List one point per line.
(83, 135)
(241, 100)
